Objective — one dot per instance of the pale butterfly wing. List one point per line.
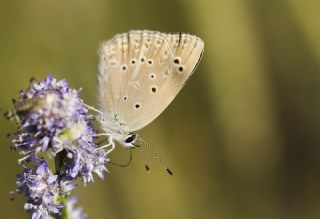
(141, 72)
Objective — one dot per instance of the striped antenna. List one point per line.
(157, 156)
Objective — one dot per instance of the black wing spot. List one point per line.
(180, 69)
(150, 62)
(152, 76)
(133, 61)
(154, 89)
(124, 68)
(137, 106)
(177, 60)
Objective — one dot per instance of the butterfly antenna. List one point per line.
(157, 156)
(123, 165)
(144, 157)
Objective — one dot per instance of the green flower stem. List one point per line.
(62, 198)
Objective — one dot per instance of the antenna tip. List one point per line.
(169, 171)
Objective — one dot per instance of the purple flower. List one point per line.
(27, 144)
(52, 115)
(54, 120)
(48, 110)
(42, 189)
(86, 160)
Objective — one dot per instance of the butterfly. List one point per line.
(140, 73)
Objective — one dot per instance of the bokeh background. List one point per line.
(243, 137)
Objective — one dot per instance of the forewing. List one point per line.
(157, 66)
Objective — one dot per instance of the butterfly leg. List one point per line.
(102, 134)
(110, 143)
(113, 146)
(92, 108)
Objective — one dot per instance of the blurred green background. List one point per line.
(242, 137)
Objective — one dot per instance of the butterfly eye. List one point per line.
(130, 138)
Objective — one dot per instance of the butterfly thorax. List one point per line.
(118, 132)
(111, 121)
